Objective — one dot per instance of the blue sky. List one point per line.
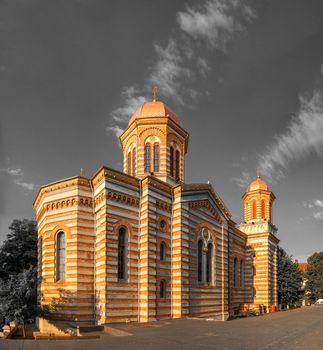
(245, 78)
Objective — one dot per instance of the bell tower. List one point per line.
(262, 244)
(155, 143)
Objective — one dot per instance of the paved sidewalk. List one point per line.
(295, 329)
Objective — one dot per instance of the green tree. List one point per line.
(19, 250)
(314, 275)
(18, 297)
(289, 279)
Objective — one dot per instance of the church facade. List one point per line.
(141, 244)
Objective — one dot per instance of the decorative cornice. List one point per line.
(205, 203)
(118, 197)
(108, 173)
(164, 206)
(258, 227)
(207, 188)
(58, 185)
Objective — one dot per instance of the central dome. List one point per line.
(258, 184)
(154, 109)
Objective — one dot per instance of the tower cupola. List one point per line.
(258, 202)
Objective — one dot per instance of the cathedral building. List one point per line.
(142, 244)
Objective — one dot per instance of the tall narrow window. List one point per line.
(162, 251)
(134, 162)
(254, 209)
(171, 161)
(162, 289)
(235, 272)
(60, 256)
(209, 263)
(147, 157)
(263, 209)
(199, 260)
(156, 157)
(122, 238)
(129, 163)
(241, 274)
(177, 165)
(40, 257)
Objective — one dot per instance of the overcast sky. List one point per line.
(245, 78)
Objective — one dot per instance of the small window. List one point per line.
(171, 161)
(177, 155)
(254, 271)
(199, 260)
(162, 289)
(156, 157)
(134, 162)
(129, 163)
(162, 224)
(40, 257)
(235, 272)
(60, 256)
(209, 263)
(162, 251)
(147, 157)
(254, 209)
(263, 209)
(241, 274)
(122, 239)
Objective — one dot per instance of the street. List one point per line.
(294, 329)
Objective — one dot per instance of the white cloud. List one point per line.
(304, 135)
(318, 215)
(131, 102)
(203, 66)
(215, 21)
(169, 70)
(242, 181)
(17, 175)
(318, 203)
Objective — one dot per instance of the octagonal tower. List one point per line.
(155, 143)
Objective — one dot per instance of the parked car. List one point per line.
(319, 302)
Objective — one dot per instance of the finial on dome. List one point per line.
(81, 172)
(154, 93)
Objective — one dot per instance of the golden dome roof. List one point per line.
(154, 109)
(258, 184)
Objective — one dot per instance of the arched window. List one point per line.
(177, 165)
(171, 161)
(162, 251)
(263, 209)
(209, 263)
(162, 289)
(235, 272)
(122, 252)
(60, 256)
(129, 163)
(147, 157)
(156, 157)
(241, 274)
(40, 257)
(254, 209)
(199, 260)
(134, 162)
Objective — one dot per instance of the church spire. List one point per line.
(154, 93)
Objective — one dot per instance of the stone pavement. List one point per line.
(294, 329)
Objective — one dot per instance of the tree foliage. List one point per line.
(18, 272)
(19, 250)
(314, 275)
(18, 296)
(289, 279)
